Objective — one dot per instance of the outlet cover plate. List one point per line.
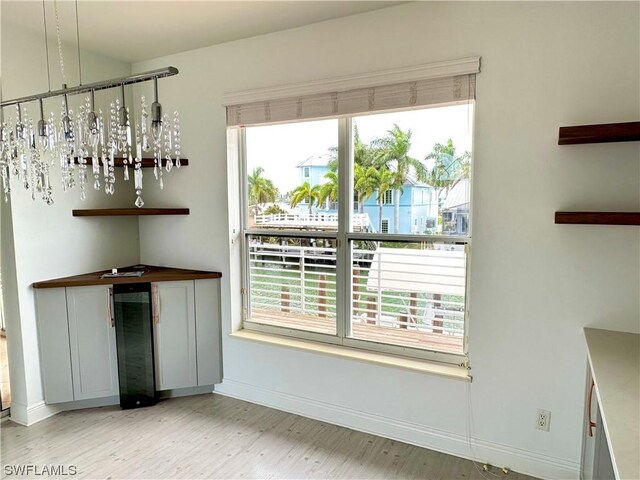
(543, 420)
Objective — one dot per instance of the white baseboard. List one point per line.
(26, 416)
(523, 461)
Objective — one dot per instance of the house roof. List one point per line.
(458, 195)
(411, 178)
(315, 161)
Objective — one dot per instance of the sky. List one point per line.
(279, 148)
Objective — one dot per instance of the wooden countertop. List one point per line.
(151, 274)
(615, 364)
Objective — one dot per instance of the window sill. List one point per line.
(456, 372)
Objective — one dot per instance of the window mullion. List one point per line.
(345, 201)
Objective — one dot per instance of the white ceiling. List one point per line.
(144, 29)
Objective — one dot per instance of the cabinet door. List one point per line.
(174, 334)
(93, 342)
(209, 336)
(602, 465)
(589, 432)
(53, 340)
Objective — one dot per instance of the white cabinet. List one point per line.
(596, 458)
(188, 351)
(589, 439)
(77, 339)
(175, 335)
(77, 344)
(53, 340)
(92, 340)
(208, 329)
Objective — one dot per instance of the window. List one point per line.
(291, 267)
(326, 256)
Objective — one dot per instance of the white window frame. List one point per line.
(388, 197)
(306, 172)
(343, 237)
(385, 221)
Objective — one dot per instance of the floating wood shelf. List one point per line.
(132, 212)
(603, 133)
(146, 162)
(598, 218)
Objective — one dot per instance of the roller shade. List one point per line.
(434, 91)
(442, 83)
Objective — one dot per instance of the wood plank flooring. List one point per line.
(5, 386)
(211, 436)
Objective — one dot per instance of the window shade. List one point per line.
(428, 92)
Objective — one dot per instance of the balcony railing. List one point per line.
(307, 220)
(405, 296)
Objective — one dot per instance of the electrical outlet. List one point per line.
(543, 420)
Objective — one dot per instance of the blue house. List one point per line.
(313, 169)
(418, 209)
(418, 203)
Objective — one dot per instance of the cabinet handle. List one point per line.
(591, 422)
(109, 303)
(155, 304)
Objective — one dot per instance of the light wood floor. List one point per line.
(210, 436)
(5, 388)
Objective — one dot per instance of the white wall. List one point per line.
(534, 285)
(48, 242)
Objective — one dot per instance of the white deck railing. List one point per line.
(416, 290)
(309, 219)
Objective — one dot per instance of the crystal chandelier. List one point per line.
(72, 140)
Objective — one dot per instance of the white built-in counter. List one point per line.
(614, 358)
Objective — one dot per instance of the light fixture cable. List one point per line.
(78, 42)
(60, 53)
(46, 44)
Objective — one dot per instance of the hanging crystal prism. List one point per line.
(167, 143)
(93, 122)
(144, 125)
(137, 173)
(81, 134)
(138, 185)
(176, 137)
(112, 146)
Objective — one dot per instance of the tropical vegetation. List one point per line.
(385, 164)
(261, 189)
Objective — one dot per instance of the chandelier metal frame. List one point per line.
(96, 86)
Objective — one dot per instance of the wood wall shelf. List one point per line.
(146, 162)
(598, 218)
(129, 212)
(603, 133)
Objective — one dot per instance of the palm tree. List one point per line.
(447, 168)
(261, 190)
(384, 181)
(328, 190)
(305, 193)
(393, 152)
(363, 154)
(364, 183)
